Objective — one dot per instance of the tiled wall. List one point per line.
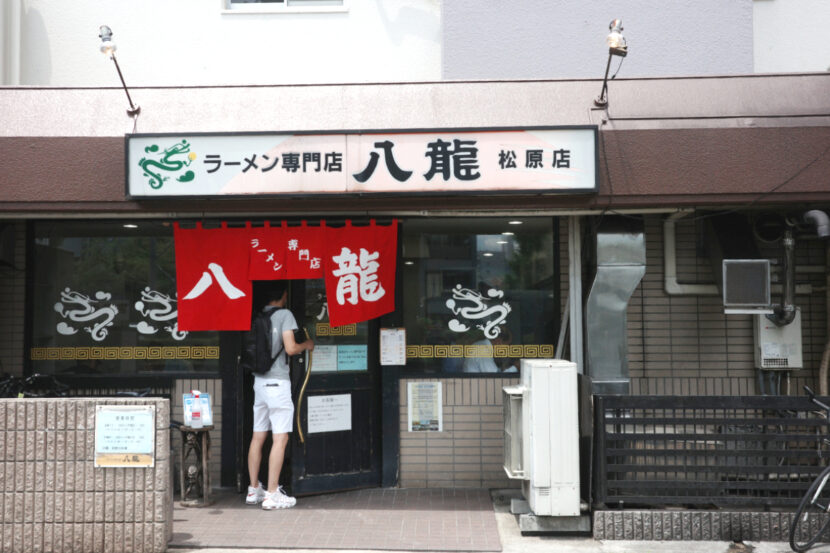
(686, 344)
(54, 500)
(468, 453)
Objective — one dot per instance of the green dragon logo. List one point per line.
(153, 167)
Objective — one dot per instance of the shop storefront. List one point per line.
(490, 264)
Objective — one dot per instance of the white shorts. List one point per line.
(273, 409)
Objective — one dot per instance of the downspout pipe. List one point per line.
(785, 312)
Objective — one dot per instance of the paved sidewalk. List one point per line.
(513, 542)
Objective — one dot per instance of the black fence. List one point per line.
(698, 451)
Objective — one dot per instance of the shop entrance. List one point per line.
(335, 444)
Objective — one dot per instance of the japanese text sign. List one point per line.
(543, 160)
(215, 269)
(125, 435)
(212, 283)
(360, 272)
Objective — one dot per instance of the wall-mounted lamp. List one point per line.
(616, 47)
(108, 47)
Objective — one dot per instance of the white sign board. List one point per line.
(533, 159)
(424, 407)
(125, 435)
(329, 413)
(392, 346)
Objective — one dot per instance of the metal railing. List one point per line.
(755, 451)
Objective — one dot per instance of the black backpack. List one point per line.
(256, 345)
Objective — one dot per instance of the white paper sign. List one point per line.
(125, 435)
(392, 346)
(424, 407)
(329, 413)
(324, 359)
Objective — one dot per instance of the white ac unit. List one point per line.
(778, 347)
(541, 436)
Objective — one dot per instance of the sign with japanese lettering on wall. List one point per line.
(125, 435)
(216, 267)
(542, 160)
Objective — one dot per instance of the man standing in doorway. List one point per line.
(273, 408)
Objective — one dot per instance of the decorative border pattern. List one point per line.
(325, 329)
(124, 352)
(442, 351)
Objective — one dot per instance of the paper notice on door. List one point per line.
(392, 346)
(324, 359)
(329, 413)
(425, 407)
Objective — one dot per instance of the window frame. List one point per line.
(94, 381)
(399, 318)
(286, 7)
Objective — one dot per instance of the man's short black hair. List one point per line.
(274, 290)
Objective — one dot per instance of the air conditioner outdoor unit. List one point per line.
(778, 347)
(541, 436)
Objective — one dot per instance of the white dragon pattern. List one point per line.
(478, 310)
(165, 312)
(80, 308)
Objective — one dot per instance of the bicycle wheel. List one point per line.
(811, 519)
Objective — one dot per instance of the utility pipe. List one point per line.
(825, 359)
(10, 21)
(675, 288)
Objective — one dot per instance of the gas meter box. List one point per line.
(541, 436)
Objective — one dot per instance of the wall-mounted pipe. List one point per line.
(785, 312)
(820, 220)
(10, 21)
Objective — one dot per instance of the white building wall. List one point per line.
(791, 35)
(200, 42)
(556, 39)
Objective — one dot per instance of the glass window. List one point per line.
(478, 294)
(336, 349)
(104, 303)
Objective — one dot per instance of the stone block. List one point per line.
(38, 506)
(28, 537)
(89, 474)
(19, 446)
(98, 505)
(88, 506)
(160, 506)
(98, 477)
(161, 478)
(107, 506)
(51, 445)
(52, 415)
(79, 540)
(89, 445)
(48, 533)
(120, 498)
(137, 507)
(98, 537)
(109, 538)
(27, 408)
(40, 414)
(7, 535)
(149, 507)
(159, 538)
(17, 538)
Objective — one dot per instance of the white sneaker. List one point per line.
(278, 500)
(255, 495)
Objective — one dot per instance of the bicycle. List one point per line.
(812, 517)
